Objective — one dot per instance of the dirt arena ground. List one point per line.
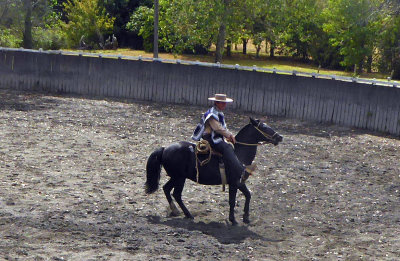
(72, 175)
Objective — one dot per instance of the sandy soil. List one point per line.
(72, 175)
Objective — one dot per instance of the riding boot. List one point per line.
(248, 171)
(234, 168)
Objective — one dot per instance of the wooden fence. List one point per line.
(309, 97)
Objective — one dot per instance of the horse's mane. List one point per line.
(243, 130)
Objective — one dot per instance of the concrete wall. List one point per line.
(346, 103)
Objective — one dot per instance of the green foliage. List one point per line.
(48, 38)
(141, 22)
(121, 10)
(9, 38)
(330, 33)
(302, 24)
(184, 25)
(88, 19)
(187, 24)
(352, 29)
(390, 45)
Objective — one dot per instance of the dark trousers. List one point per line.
(233, 167)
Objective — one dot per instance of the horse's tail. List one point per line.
(153, 170)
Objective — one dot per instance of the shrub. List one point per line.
(9, 38)
(48, 38)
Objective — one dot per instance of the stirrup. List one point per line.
(249, 170)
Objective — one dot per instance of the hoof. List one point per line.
(173, 212)
(233, 221)
(189, 216)
(246, 220)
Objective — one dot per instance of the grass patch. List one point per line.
(264, 61)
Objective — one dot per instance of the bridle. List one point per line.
(266, 135)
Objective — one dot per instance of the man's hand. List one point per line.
(232, 139)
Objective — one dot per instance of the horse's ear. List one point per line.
(253, 121)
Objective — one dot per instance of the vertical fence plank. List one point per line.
(269, 92)
(314, 102)
(309, 101)
(152, 81)
(320, 104)
(301, 99)
(258, 93)
(191, 86)
(338, 104)
(125, 78)
(277, 96)
(171, 86)
(201, 85)
(118, 79)
(397, 122)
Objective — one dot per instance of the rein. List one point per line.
(249, 144)
(260, 143)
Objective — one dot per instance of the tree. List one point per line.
(29, 23)
(141, 23)
(302, 26)
(352, 29)
(86, 19)
(184, 25)
(188, 26)
(10, 25)
(27, 41)
(274, 24)
(389, 46)
(122, 10)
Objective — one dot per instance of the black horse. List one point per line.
(179, 162)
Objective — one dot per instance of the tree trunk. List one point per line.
(4, 13)
(266, 46)
(369, 64)
(258, 49)
(220, 42)
(27, 39)
(360, 67)
(244, 45)
(155, 40)
(271, 49)
(396, 69)
(221, 33)
(229, 48)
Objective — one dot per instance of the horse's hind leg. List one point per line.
(178, 196)
(243, 188)
(167, 191)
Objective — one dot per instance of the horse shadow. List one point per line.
(223, 232)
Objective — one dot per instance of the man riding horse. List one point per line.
(212, 128)
(180, 159)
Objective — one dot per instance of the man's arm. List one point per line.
(217, 127)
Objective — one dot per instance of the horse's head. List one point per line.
(265, 133)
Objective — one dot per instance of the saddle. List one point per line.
(203, 147)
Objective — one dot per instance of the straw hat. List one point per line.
(219, 97)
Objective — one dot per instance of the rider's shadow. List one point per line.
(223, 232)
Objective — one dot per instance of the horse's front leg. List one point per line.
(243, 188)
(232, 202)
